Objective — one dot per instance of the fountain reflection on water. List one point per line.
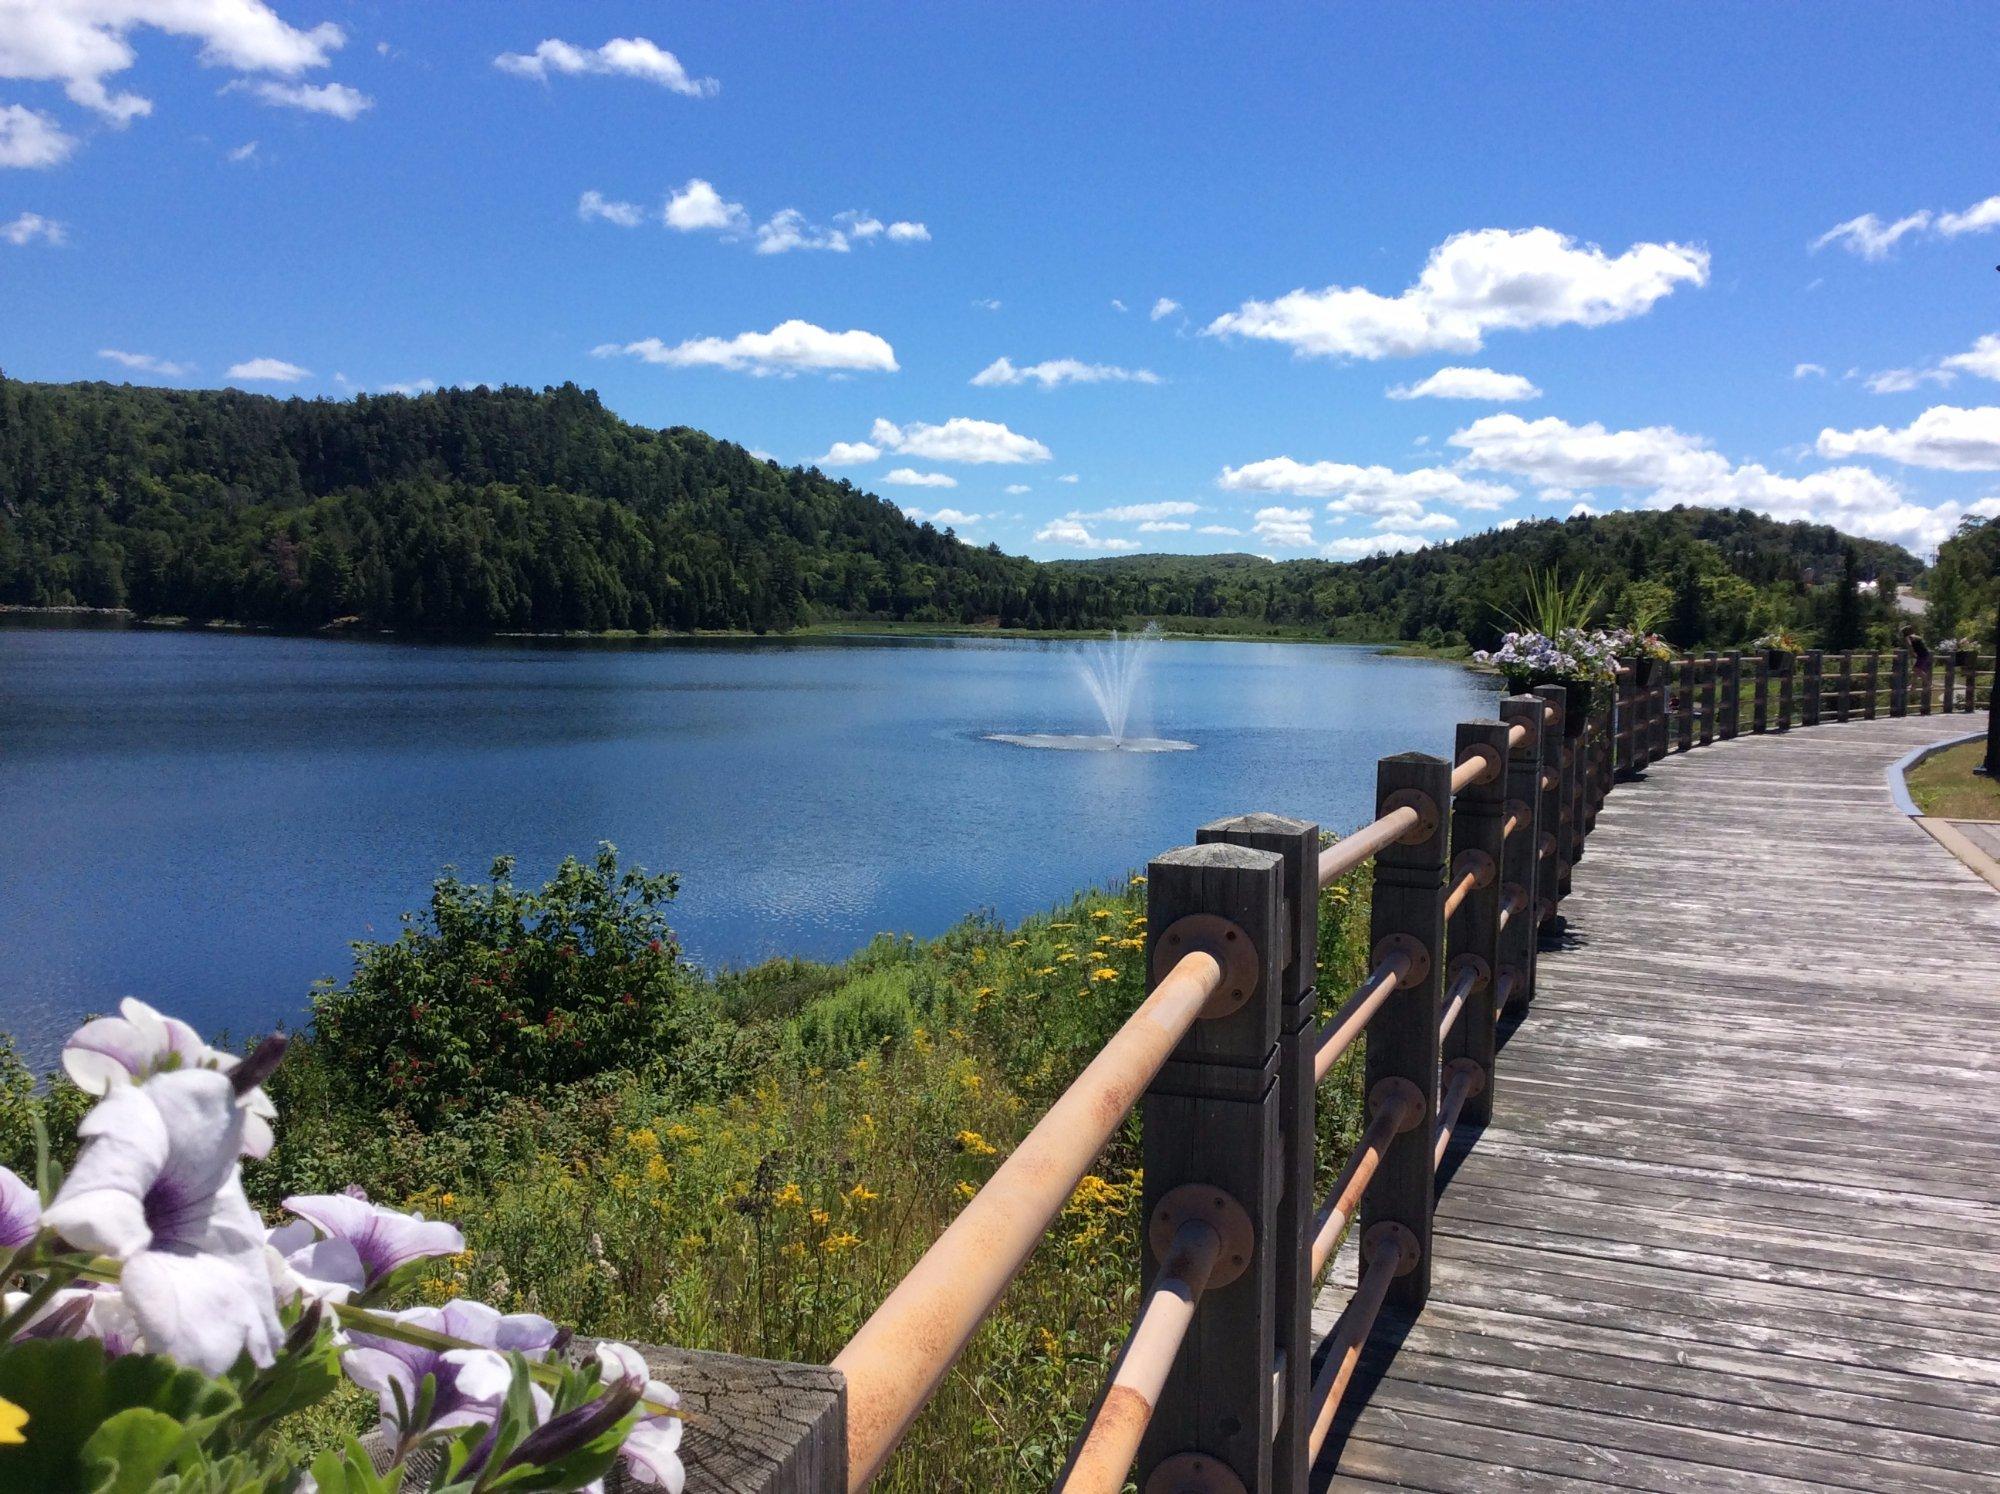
(1111, 670)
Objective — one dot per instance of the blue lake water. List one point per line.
(206, 819)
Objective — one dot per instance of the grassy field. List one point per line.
(1945, 785)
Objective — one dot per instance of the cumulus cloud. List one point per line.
(849, 454)
(1469, 383)
(1355, 489)
(1873, 238)
(31, 140)
(81, 45)
(268, 371)
(1808, 371)
(1164, 307)
(243, 152)
(1944, 437)
(29, 227)
(1164, 526)
(791, 347)
(1488, 280)
(1902, 380)
(946, 518)
(1671, 466)
(1132, 513)
(698, 206)
(1218, 529)
(909, 477)
(986, 303)
(621, 57)
(1357, 547)
(1582, 511)
(959, 439)
(411, 387)
(146, 362)
(336, 99)
(865, 226)
(1015, 488)
(1284, 528)
(1055, 371)
(595, 205)
(788, 230)
(1069, 477)
(1070, 532)
(1981, 360)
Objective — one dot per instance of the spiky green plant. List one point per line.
(1553, 606)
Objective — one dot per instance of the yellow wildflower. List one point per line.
(446, 1200)
(679, 1132)
(861, 1193)
(1062, 925)
(984, 991)
(1046, 970)
(820, 1218)
(791, 1196)
(795, 1249)
(1107, 973)
(965, 1189)
(1051, 1345)
(12, 1419)
(974, 1144)
(1065, 957)
(1017, 943)
(644, 1139)
(1137, 882)
(845, 1240)
(1100, 913)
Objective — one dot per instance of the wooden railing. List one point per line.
(1216, 1388)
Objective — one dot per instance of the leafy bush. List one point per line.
(860, 1018)
(501, 991)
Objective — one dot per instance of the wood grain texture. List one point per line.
(1729, 1227)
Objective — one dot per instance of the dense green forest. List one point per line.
(512, 509)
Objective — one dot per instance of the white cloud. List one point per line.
(1808, 371)
(788, 230)
(1433, 522)
(595, 205)
(1069, 477)
(698, 206)
(1015, 489)
(146, 362)
(1218, 529)
(1673, 467)
(1070, 532)
(1055, 371)
(30, 139)
(849, 454)
(986, 303)
(1356, 547)
(1164, 307)
(411, 387)
(1474, 283)
(959, 439)
(1869, 237)
(909, 233)
(1284, 528)
(1902, 380)
(268, 371)
(32, 226)
(791, 347)
(81, 43)
(336, 99)
(1469, 383)
(1116, 304)
(1944, 436)
(243, 152)
(1163, 526)
(947, 518)
(1371, 490)
(1981, 360)
(1132, 513)
(1583, 511)
(909, 477)
(1873, 239)
(622, 57)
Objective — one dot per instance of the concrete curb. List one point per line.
(1893, 774)
(1941, 831)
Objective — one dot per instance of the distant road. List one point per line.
(1913, 605)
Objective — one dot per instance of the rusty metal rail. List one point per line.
(1347, 1024)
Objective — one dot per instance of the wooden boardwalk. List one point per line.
(1736, 1222)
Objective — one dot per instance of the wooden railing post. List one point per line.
(1760, 707)
(1622, 764)
(1709, 666)
(1472, 934)
(1948, 705)
(1732, 704)
(1521, 860)
(1408, 914)
(1972, 681)
(1924, 687)
(1874, 684)
(1211, 1145)
(1809, 694)
(1785, 697)
(1297, 844)
(1846, 705)
(1658, 708)
(1555, 808)
(1899, 683)
(1684, 715)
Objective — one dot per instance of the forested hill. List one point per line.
(513, 509)
(478, 509)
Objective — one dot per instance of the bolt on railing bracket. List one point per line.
(1416, 958)
(1226, 944)
(1389, 1234)
(1399, 1095)
(1221, 1213)
(1427, 814)
(1466, 1066)
(1481, 972)
(1478, 863)
(1490, 756)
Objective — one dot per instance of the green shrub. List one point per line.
(499, 991)
(861, 1017)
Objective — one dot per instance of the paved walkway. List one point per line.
(1736, 1223)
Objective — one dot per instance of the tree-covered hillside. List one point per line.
(513, 509)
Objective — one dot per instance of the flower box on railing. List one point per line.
(1779, 660)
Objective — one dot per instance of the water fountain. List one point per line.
(1111, 670)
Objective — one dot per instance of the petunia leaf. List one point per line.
(130, 1451)
(69, 1387)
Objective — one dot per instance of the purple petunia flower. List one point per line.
(469, 1386)
(382, 1239)
(20, 1212)
(140, 1042)
(157, 1187)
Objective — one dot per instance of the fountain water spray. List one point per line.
(1111, 671)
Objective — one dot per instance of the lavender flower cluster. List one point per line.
(150, 1246)
(1571, 657)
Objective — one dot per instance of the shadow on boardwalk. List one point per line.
(1733, 1224)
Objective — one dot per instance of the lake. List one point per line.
(205, 819)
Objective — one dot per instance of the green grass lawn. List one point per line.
(1944, 785)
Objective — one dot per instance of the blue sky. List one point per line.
(1589, 233)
